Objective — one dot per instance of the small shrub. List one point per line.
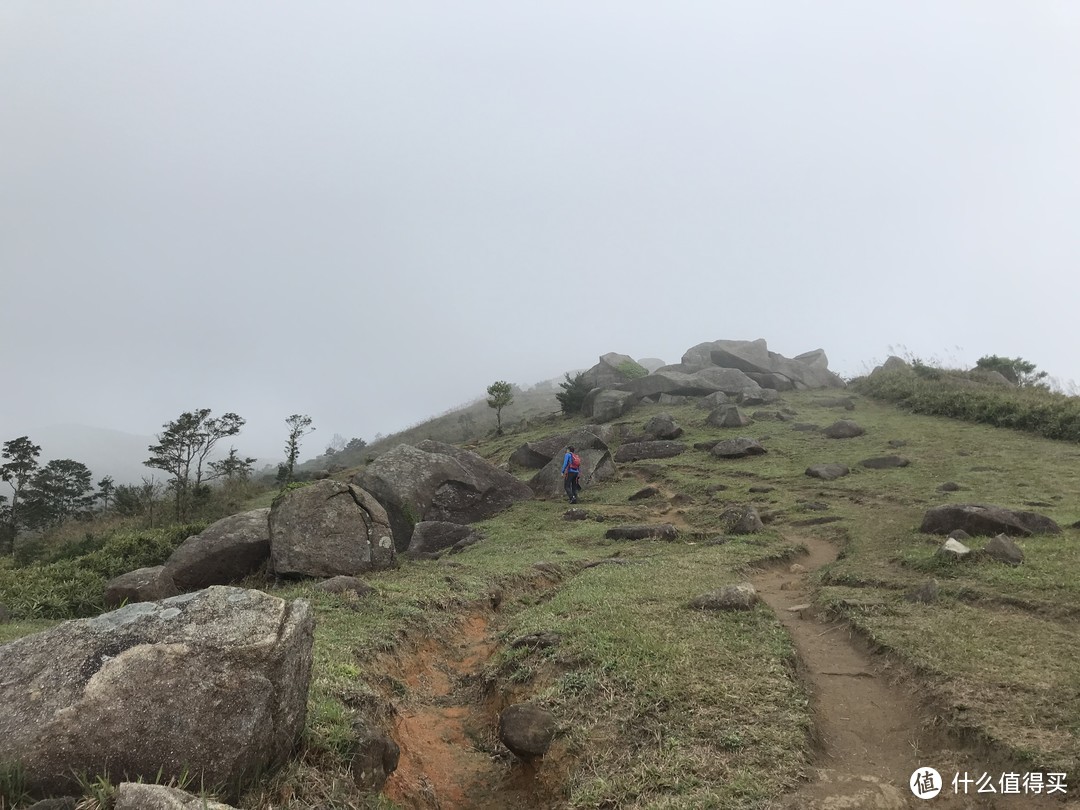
(632, 370)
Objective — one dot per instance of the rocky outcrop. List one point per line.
(212, 684)
(612, 369)
(437, 481)
(327, 529)
(808, 370)
(983, 519)
(142, 585)
(606, 404)
(223, 553)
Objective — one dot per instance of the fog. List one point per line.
(368, 212)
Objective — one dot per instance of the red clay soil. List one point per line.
(873, 732)
(446, 731)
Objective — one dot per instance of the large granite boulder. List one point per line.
(613, 368)
(437, 481)
(211, 684)
(328, 529)
(663, 426)
(534, 455)
(431, 536)
(982, 519)
(596, 466)
(727, 416)
(669, 382)
(742, 447)
(224, 552)
(139, 796)
(603, 405)
(142, 585)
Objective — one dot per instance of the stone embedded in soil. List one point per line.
(894, 443)
(749, 523)
(844, 429)
(740, 447)
(730, 597)
(797, 569)
(575, 514)
(662, 531)
(527, 730)
(949, 486)
(805, 427)
(955, 550)
(376, 757)
(986, 519)
(959, 534)
(344, 584)
(827, 472)
(884, 462)
(1003, 549)
(926, 593)
(647, 492)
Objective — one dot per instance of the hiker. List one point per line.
(571, 469)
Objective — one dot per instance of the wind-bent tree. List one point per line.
(500, 394)
(106, 488)
(1016, 370)
(22, 463)
(183, 448)
(573, 394)
(60, 490)
(233, 468)
(299, 426)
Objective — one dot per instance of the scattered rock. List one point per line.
(748, 523)
(796, 568)
(636, 451)
(813, 506)
(884, 462)
(329, 528)
(344, 584)
(642, 494)
(609, 404)
(661, 531)
(897, 443)
(712, 489)
(437, 481)
(142, 585)
(707, 445)
(924, 594)
(741, 447)
(827, 472)
(672, 399)
(844, 429)
(436, 535)
(225, 552)
(949, 486)
(730, 597)
(575, 514)
(527, 730)
(663, 426)
(213, 684)
(727, 416)
(141, 796)
(1003, 549)
(959, 534)
(955, 550)
(713, 401)
(596, 466)
(763, 416)
(375, 757)
(981, 519)
(805, 427)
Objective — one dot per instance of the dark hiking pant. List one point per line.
(572, 486)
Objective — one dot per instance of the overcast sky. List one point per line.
(369, 211)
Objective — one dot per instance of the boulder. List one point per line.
(891, 365)
(727, 416)
(663, 426)
(669, 382)
(807, 370)
(713, 401)
(884, 462)
(827, 472)
(211, 684)
(748, 523)
(223, 553)
(527, 730)
(636, 451)
(672, 399)
(730, 597)
(738, 448)
(376, 756)
(646, 492)
(344, 584)
(650, 364)
(436, 535)
(327, 529)
(949, 486)
(644, 531)
(612, 369)
(534, 455)
(436, 481)
(141, 796)
(772, 380)
(142, 585)
(1003, 549)
(991, 377)
(982, 519)
(608, 404)
(844, 429)
(764, 396)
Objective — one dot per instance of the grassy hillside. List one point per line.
(659, 705)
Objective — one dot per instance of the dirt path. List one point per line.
(872, 733)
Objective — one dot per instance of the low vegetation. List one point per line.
(663, 706)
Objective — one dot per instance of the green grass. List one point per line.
(663, 706)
